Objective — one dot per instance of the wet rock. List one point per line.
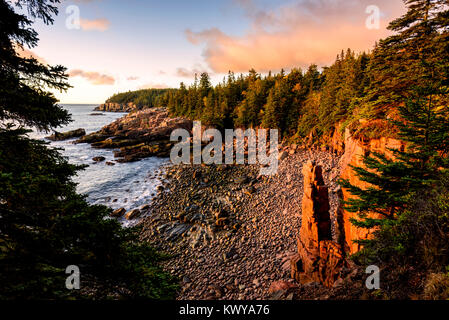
(118, 213)
(60, 136)
(109, 163)
(132, 214)
(144, 207)
(138, 135)
(98, 159)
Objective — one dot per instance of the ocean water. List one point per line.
(124, 185)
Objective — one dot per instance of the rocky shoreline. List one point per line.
(138, 135)
(232, 233)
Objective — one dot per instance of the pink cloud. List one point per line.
(189, 73)
(93, 77)
(152, 85)
(97, 24)
(309, 31)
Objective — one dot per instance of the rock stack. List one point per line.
(319, 258)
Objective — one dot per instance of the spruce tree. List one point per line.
(416, 55)
(410, 73)
(424, 126)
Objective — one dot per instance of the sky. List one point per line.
(121, 45)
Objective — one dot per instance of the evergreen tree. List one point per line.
(415, 55)
(424, 126)
(416, 73)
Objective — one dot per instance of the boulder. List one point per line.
(282, 155)
(280, 286)
(222, 222)
(60, 136)
(132, 214)
(118, 213)
(98, 159)
(220, 214)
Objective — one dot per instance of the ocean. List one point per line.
(124, 185)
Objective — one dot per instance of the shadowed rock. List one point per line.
(60, 136)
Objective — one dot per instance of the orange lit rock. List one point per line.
(319, 258)
(354, 152)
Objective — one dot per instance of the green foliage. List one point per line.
(392, 181)
(148, 98)
(45, 225)
(416, 55)
(296, 103)
(418, 237)
(422, 121)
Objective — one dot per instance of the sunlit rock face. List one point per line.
(353, 155)
(319, 258)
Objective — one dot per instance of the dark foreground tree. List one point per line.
(45, 225)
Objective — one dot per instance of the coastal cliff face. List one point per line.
(354, 150)
(321, 256)
(117, 107)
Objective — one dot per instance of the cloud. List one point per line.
(186, 73)
(132, 78)
(93, 77)
(298, 34)
(97, 24)
(152, 85)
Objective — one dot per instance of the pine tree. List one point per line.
(415, 55)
